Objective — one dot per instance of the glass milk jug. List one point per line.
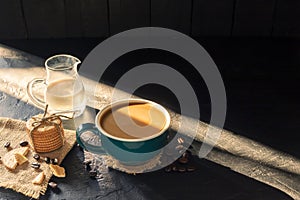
(63, 88)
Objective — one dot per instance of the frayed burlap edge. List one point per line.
(28, 191)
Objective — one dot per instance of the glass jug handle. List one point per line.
(35, 100)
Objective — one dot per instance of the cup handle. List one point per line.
(89, 127)
(38, 102)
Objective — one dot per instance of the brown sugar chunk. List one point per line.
(57, 170)
(38, 180)
(9, 159)
(20, 158)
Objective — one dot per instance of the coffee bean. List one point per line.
(54, 161)
(47, 160)
(174, 168)
(183, 160)
(7, 145)
(36, 165)
(185, 154)
(23, 143)
(191, 168)
(93, 173)
(180, 140)
(168, 169)
(181, 169)
(52, 184)
(36, 156)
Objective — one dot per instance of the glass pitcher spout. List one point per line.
(60, 65)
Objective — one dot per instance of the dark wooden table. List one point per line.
(263, 104)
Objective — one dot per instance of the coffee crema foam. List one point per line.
(133, 121)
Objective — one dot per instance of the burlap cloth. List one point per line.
(21, 178)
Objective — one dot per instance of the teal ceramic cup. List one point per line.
(95, 139)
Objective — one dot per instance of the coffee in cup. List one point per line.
(133, 121)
